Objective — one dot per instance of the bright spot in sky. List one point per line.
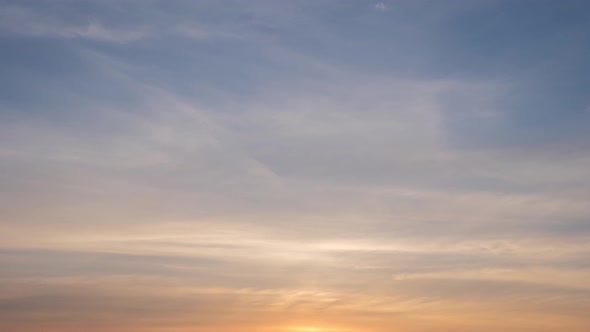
(313, 329)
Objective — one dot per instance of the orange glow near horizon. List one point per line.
(314, 329)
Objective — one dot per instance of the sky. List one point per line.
(294, 166)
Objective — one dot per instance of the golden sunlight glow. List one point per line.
(313, 329)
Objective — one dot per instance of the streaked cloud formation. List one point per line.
(307, 166)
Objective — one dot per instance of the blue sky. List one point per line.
(294, 165)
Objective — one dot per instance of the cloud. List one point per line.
(201, 32)
(381, 6)
(264, 175)
(27, 22)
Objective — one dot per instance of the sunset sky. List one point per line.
(295, 166)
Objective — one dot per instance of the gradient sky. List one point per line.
(295, 166)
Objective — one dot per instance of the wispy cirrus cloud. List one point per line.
(27, 22)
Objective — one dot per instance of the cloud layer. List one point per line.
(316, 166)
